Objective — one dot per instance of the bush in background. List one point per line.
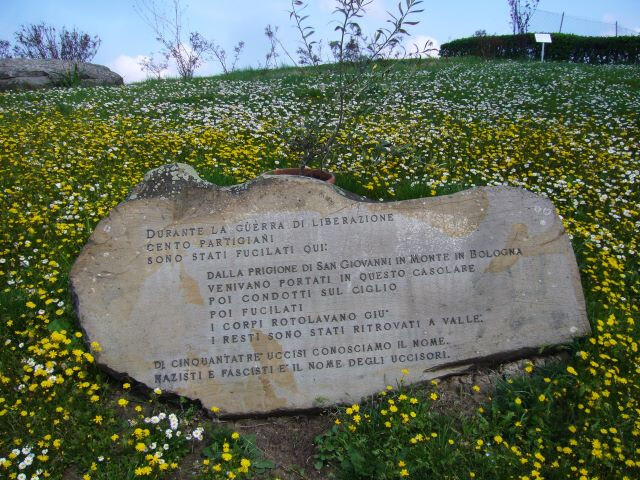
(44, 41)
(565, 47)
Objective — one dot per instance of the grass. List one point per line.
(568, 132)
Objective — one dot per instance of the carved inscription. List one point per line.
(256, 285)
(269, 307)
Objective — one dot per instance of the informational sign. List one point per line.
(543, 38)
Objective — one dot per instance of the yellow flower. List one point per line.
(404, 472)
(235, 435)
(572, 371)
(143, 471)
(123, 402)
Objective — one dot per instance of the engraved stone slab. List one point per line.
(286, 293)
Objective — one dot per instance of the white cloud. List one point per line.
(129, 68)
(420, 41)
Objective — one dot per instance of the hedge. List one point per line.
(564, 47)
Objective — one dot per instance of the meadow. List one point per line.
(568, 132)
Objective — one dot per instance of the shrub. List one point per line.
(44, 41)
(5, 49)
(565, 47)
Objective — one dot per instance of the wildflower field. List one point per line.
(568, 132)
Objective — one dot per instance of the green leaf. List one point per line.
(59, 324)
(263, 464)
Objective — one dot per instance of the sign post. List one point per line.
(543, 38)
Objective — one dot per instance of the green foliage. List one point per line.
(69, 79)
(231, 452)
(565, 47)
(64, 108)
(359, 64)
(395, 434)
(531, 426)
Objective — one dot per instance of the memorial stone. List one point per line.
(286, 293)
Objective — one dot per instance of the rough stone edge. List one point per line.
(170, 180)
(37, 78)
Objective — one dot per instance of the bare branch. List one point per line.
(167, 26)
(308, 55)
(521, 12)
(43, 41)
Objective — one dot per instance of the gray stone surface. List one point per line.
(30, 74)
(286, 293)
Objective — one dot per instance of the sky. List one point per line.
(126, 38)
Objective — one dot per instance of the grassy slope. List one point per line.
(566, 131)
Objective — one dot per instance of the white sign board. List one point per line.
(543, 38)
